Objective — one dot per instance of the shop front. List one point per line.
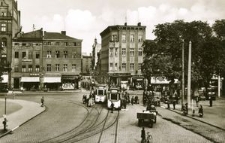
(30, 83)
(70, 82)
(52, 83)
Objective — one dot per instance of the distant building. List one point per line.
(46, 60)
(122, 53)
(9, 27)
(86, 65)
(96, 47)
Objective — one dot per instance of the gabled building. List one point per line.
(86, 65)
(122, 53)
(27, 60)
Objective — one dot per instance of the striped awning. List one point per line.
(30, 79)
(52, 80)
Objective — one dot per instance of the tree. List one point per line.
(207, 52)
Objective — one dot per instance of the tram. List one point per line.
(114, 96)
(100, 93)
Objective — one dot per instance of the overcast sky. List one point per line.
(86, 19)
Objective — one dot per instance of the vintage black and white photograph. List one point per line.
(112, 71)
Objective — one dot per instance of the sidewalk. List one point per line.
(29, 110)
(212, 115)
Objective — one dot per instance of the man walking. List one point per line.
(143, 135)
(112, 106)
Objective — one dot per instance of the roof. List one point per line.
(58, 36)
(30, 36)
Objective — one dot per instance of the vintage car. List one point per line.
(147, 117)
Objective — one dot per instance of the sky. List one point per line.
(86, 19)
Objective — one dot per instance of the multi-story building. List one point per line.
(96, 47)
(46, 61)
(122, 53)
(26, 65)
(61, 60)
(9, 27)
(86, 65)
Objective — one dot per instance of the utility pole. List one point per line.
(182, 98)
(189, 75)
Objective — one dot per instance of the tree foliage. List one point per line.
(165, 52)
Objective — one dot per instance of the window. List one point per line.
(37, 55)
(49, 43)
(49, 55)
(57, 43)
(123, 66)
(74, 55)
(23, 68)
(116, 67)
(140, 38)
(29, 55)
(65, 67)
(132, 38)
(139, 66)
(48, 67)
(132, 67)
(140, 52)
(124, 38)
(16, 44)
(66, 43)
(57, 54)
(74, 44)
(24, 44)
(111, 52)
(37, 68)
(123, 52)
(73, 67)
(65, 54)
(131, 52)
(116, 52)
(16, 55)
(114, 38)
(57, 67)
(16, 69)
(3, 27)
(29, 68)
(23, 55)
(110, 66)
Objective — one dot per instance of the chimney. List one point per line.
(63, 32)
(139, 23)
(125, 24)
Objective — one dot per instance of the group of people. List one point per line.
(145, 138)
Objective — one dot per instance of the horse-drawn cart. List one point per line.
(146, 118)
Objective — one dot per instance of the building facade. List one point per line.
(86, 65)
(122, 53)
(46, 61)
(9, 27)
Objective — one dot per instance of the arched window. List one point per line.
(4, 42)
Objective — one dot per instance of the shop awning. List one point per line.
(52, 80)
(30, 79)
(4, 79)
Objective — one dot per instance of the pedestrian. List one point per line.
(42, 101)
(210, 101)
(112, 106)
(149, 138)
(200, 111)
(143, 139)
(197, 100)
(125, 103)
(168, 102)
(132, 100)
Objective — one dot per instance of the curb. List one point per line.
(192, 118)
(11, 130)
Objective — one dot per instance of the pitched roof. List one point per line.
(34, 35)
(58, 36)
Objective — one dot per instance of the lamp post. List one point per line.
(182, 99)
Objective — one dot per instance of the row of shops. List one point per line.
(35, 82)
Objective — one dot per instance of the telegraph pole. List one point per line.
(182, 98)
(189, 75)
